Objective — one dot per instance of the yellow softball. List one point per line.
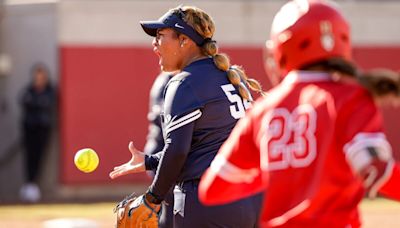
(86, 160)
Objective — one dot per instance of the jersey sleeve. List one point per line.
(181, 105)
(171, 160)
(391, 188)
(365, 145)
(235, 172)
(181, 109)
(360, 127)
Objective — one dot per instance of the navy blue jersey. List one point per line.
(201, 107)
(155, 140)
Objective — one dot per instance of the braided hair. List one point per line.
(204, 25)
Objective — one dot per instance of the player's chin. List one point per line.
(167, 67)
(162, 64)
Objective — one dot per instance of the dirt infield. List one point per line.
(34, 216)
(377, 213)
(380, 213)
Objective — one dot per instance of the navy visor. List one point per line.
(174, 21)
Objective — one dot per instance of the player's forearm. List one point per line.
(391, 188)
(151, 160)
(171, 163)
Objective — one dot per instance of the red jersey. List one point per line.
(300, 145)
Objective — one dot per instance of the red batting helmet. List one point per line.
(308, 31)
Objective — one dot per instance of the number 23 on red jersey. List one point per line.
(289, 139)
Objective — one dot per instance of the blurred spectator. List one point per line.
(38, 100)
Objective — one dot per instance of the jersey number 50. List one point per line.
(289, 139)
(238, 109)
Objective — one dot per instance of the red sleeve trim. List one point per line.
(391, 188)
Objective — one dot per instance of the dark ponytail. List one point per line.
(381, 82)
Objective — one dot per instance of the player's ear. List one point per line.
(182, 40)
